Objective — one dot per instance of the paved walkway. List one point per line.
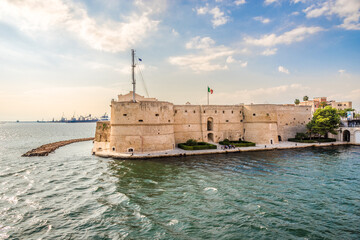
(180, 152)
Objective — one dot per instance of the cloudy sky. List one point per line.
(73, 56)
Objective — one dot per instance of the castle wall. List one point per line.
(260, 124)
(102, 136)
(266, 122)
(191, 122)
(152, 125)
(141, 126)
(291, 120)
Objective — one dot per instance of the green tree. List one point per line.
(323, 104)
(310, 128)
(300, 136)
(343, 112)
(324, 121)
(297, 101)
(305, 98)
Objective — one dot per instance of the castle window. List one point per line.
(267, 114)
(175, 111)
(254, 114)
(124, 114)
(240, 112)
(169, 121)
(186, 111)
(204, 111)
(130, 150)
(157, 115)
(215, 111)
(210, 124)
(294, 118)
(227, 120)
(241, 120)
(189, 125)
(232, 112)
(223, 111)
(309, 118)
(194, 111)
(140, 120)
(345, 105)
(113, 148)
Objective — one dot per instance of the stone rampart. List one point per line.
(149, 125)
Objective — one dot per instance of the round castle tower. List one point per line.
(142, 126)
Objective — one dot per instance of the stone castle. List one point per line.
(149, 125)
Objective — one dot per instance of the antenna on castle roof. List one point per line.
(133, 72)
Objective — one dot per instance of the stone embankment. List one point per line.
(177, 152)
(44, 150)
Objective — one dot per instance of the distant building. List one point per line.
(349, 130)
(316, 103)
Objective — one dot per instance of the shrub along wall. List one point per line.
(312, 140)
(238, 143)
(198, 146)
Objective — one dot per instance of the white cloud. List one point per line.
(295, 14)
(209, 57)
(230, 59)
(295, 35)
(297, 1)
(35, 17)
(218, 17)
(202, 10)
(269, 52)
(283, 70)
(347, 10)
(268, 2)
(200, 43)
(174, 32)
(243, 64)
(239, 2)
(261, 19)
(341, 71)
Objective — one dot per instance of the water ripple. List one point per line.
(293, 194)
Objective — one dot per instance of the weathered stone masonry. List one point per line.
(149, 125)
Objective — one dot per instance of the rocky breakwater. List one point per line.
(44, 150)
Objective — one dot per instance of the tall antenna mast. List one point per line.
(133, 72)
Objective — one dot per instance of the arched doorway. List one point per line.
(357, 137)
(346, 136)
(210, 124)
(210, 137)
(279, 138)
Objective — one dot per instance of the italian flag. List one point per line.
(210, 90)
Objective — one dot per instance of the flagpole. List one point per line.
(208, 96)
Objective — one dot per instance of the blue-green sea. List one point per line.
(310, 193)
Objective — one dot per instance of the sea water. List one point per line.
(311, 193)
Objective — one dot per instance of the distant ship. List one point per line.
(82, 119)
(104, 117)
